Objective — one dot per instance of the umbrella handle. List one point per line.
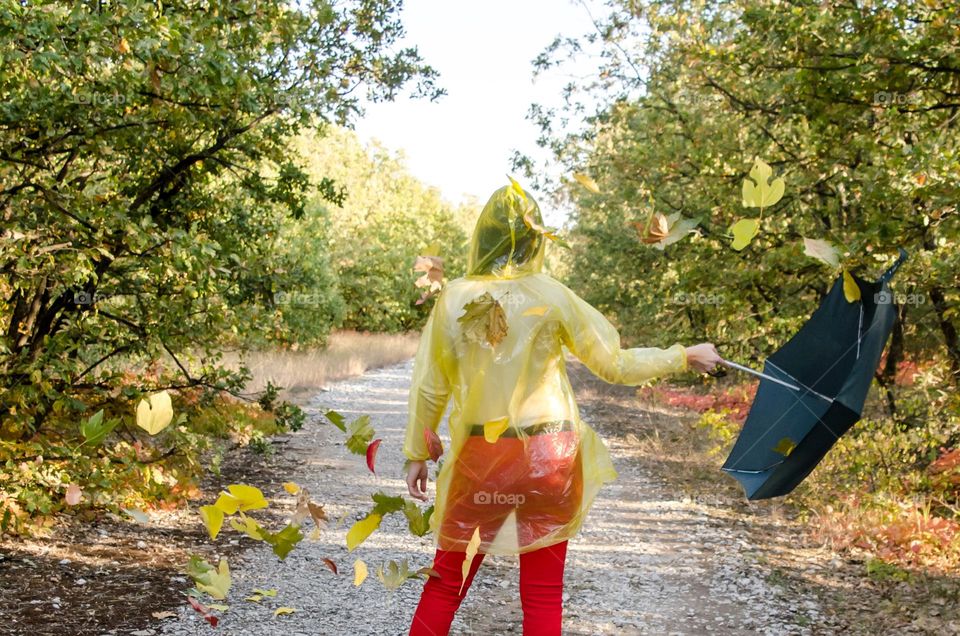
(759, 374)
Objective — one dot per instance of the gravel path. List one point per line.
(645, 562)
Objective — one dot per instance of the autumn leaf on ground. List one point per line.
(362, 529)
(359, 435)
(291, 487)
(587, 182)
(359, 572)
(760, 192)
(484, 321)
(212, 581)
(280, 611)
(851, 291)
(331, 565)
(372, 454)
(204, 611)
(163, 615)
(493, 429)
(155, 413)
(417, 520)
(823, 251)
(74, 495)
(743, 232)
(434, 444)
(263, 592)
(471, 552)
(336, 419)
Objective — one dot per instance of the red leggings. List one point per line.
(541, 590)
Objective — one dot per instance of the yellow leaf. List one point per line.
(785, 446)
(761, 192)
(493, 429)
(218, 606)
(248, 497)
(270, 593)
(851, 290)
(536, 311)
(743, 232)
(821, 250)
(516, 188)
(249, 527)
(587, 182)
(212, 519)
(216, 582)
(155, 414)
(291, 487)
(362, 529)
(256, 598)
(227, 503)
(280, 611)
(359, 572)
(471, 552)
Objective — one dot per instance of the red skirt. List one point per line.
(539, 476)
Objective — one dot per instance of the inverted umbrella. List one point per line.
(813, 388)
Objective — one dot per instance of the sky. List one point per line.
(462, 143)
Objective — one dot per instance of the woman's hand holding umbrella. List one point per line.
(703, 357)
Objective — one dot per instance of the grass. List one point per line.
(303, 372)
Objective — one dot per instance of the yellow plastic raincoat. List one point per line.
(521, 466)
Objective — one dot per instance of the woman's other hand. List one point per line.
(417, 472)
(703, 357)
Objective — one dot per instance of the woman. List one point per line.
(523, 469)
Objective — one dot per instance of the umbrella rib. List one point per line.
(784, 414)
(819, 395)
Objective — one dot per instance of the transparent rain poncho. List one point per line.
(521, 465)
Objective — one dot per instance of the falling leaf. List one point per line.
(74, 494)
(359, 572)
(249, 527)
(394, 574)
(248, 497)
(137, 515)
(921, 178)
(679, 228)
(163, 615)
(471, 552)
(362, 529)
(155, 414)
(291, 487)
(743, 232)
(280, 611)
(587, 182)
(386, 504)
(218, 606)
(851, 290)
(659, 229)
(761, 192)
(417, 520)
(94, 430)
(215, 582)
(203, 611)
(284, 541)
(336, 419)
(484, 320)
(330, 564)
(317, 513)
(359, 435)
(429, 572)
(823, 251)
(493, 429)
(302, 510)
(785, 446)
(372, 454)
(536, 311)
(548, 232)
(212, 519)
(434, 445)
(432, 268)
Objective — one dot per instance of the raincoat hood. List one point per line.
(504, 245)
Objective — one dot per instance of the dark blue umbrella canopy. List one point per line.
(831, 362)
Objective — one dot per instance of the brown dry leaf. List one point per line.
(659, 229)
(484, 320)
(317, 513)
